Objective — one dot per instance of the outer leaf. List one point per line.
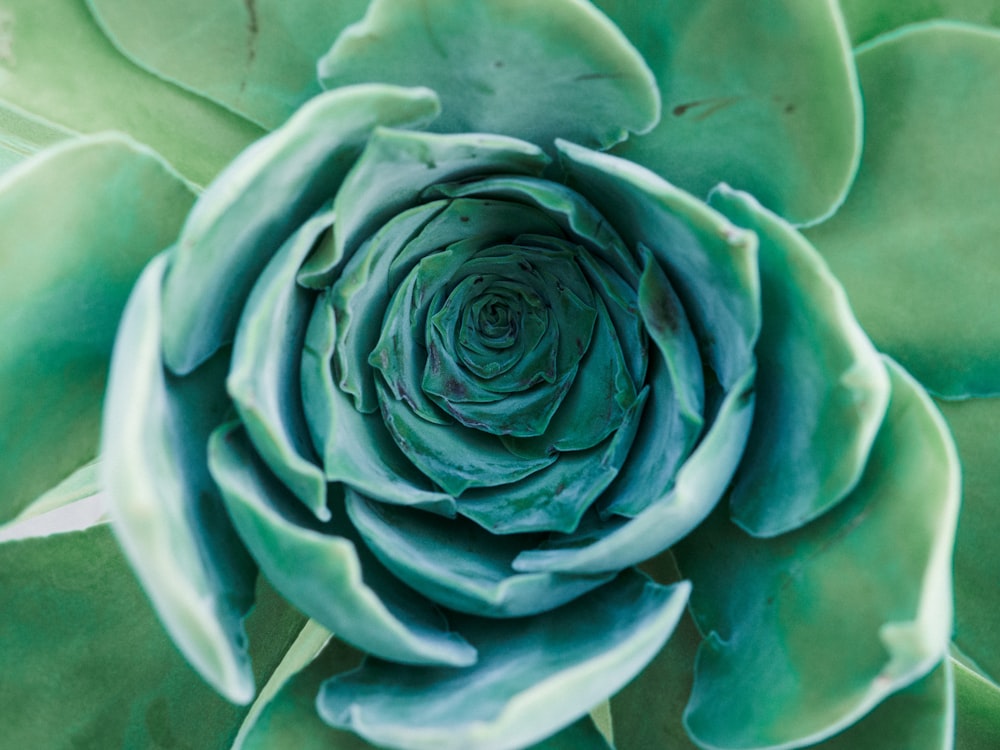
(738, 110)
(517, 67)
(323, 569)
(167, 514)
(521, 689)
(62, 292)
(917, 228)
(290, 720)
(977, 583)
(977, 708)
(822, 389)
(808, 631)
(866, 19)
(921, 716)
(256, 57)
(86, 664)
(56, 63)
(22, 134)
(261, 198)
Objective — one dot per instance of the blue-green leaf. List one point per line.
(810, 630)
(63, 285)
(518, 67)
(915, 242)
(521, 689)
(256, 57)
(260, 199)
(57, 64)
(822, 390)
(323, 568)
(761, 95)
(459, 565)
(167, 513)
(264, 378)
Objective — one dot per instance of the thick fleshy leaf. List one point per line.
(456, 457)
(916, 229)
(356, 448)
(397, 166)
(673, 511)
(921, 716)
(647, 712)
(167, 513)
(56, 63)
(264, 378)
(290, 720)
(322, 568)
(515, 67)
(459, 565)
(556, 498)
(86, 663)
(82, 487)
(76, 226)
(711, 263)
(808, 631)
(257, 58)
(977, 709)
(521, 689)
(22, 135)
(977, 581)
(308, 644)
(261, 198)
(866, 19)
(790, 134)
(822, 389)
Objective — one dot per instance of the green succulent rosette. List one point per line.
(498, 375)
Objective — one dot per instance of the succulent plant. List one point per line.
(486, 362)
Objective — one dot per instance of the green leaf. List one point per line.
(167, 513)
(866, 19)
(255, 205)
(357, 449)
(977, 584)
(921, 716)
(515, 67)
(919, 223)
(580, 735)
(521, 689)
(56, 64)
(555, 498)
(977, 704)
(323, 568)
(86, 664)
(711, 263)
(397, 166)
(809, 631)
(672, 513)
(457, 564)
(647, 712)
(290, 719)
(822, 389)
(264, 378)
(23, 134)
(762, 96)
(256, 57)
(77, 223)
(309, 643)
